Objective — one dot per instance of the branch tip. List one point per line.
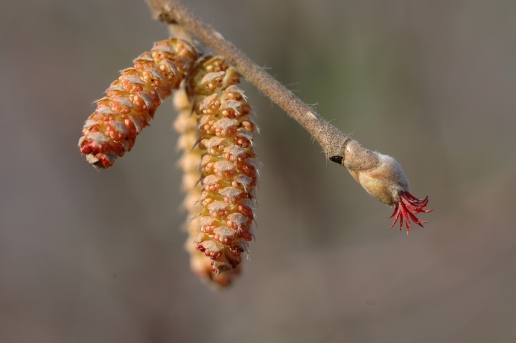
(380, 175)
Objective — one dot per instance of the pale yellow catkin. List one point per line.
(228, 167)
(186, 125)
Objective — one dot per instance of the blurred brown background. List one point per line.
(98, 257)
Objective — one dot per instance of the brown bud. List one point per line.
(382, 177)
(383, 180)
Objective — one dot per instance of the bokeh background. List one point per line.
(89, 256)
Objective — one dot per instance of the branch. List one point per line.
(380, 175)
(329, 137)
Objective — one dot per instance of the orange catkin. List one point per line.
(228, 167)
(132, 100)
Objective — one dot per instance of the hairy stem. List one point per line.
(329, 137)
(380, 175)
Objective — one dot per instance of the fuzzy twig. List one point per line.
(329, 137)
(380, 175)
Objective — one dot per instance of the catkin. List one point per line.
(190, 161)
(132, 100)
(228, 166)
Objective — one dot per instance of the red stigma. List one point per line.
(406, 208)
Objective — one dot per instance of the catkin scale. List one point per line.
(132, 100)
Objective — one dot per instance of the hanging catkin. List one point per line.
(132, 100)
(190, 161)
(228, 167)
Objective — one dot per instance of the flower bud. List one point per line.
(382, 177)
